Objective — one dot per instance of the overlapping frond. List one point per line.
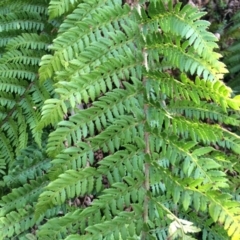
(139, 121)
(101, 104)
(183, 39)
(18, 70)
(114, 201)
(27, 177)
(233, 51)
(57, 8)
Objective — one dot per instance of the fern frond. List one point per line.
(58, 8)
(225, 211)
(97, 81)
(100, 115)
(232, 52)
(19, 223)
(29, 165)
(137, 147)
(18, 70)
(209, 230)
(217, 91)
(200, 43)
(23, 21)
(20, 197)
(119, 192)
(5, 37)
(203, 111)
(122, 226)
(220, 209)
(16, 222)
(187, 61)
(29, 41)
(81, 37)
(83, 10)
(65, 186)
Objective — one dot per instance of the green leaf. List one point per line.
(214, 211)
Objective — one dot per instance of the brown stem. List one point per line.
(146, 186)
(147, 152)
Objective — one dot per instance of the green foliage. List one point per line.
(233, 52)
(140, 143)
(21, 97)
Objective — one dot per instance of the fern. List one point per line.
(18, 69)
(140, 141)
(232, 52)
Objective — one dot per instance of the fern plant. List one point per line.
(23, 40)
(232, 52)
(140, 130)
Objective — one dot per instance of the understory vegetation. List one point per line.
(119, 120)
